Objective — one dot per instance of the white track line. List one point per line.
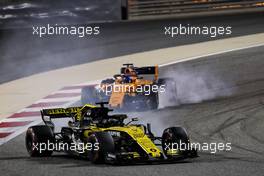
(21, 119)
(19, 131)
(70, 91)
(207, 55)
(39, 108)
(9, 129)
(50, 100)
(88, 83)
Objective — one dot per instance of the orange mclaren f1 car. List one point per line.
(135, 88)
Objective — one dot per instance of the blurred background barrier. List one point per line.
(25, 13)
(19, 13)
(140, 9)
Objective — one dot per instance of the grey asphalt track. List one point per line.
(24, 54)
(229, 108)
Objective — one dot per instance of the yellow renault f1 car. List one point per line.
(135, 88)
(104, 138)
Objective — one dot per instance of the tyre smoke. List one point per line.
(188, 85)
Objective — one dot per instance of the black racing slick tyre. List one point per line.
(173, 136)
(37, 140)
(103, 144)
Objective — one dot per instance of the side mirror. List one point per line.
(134, 119)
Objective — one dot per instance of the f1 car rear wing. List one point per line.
(48, 114)
(150, 70)
(73, 112)
(60, 112)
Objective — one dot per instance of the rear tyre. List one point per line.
(36, 136)
(103, 144)
(175, 136)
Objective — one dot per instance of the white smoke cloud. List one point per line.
(190, 86)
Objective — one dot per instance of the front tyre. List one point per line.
(174, 139)
(103, 144)
(37, 140)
